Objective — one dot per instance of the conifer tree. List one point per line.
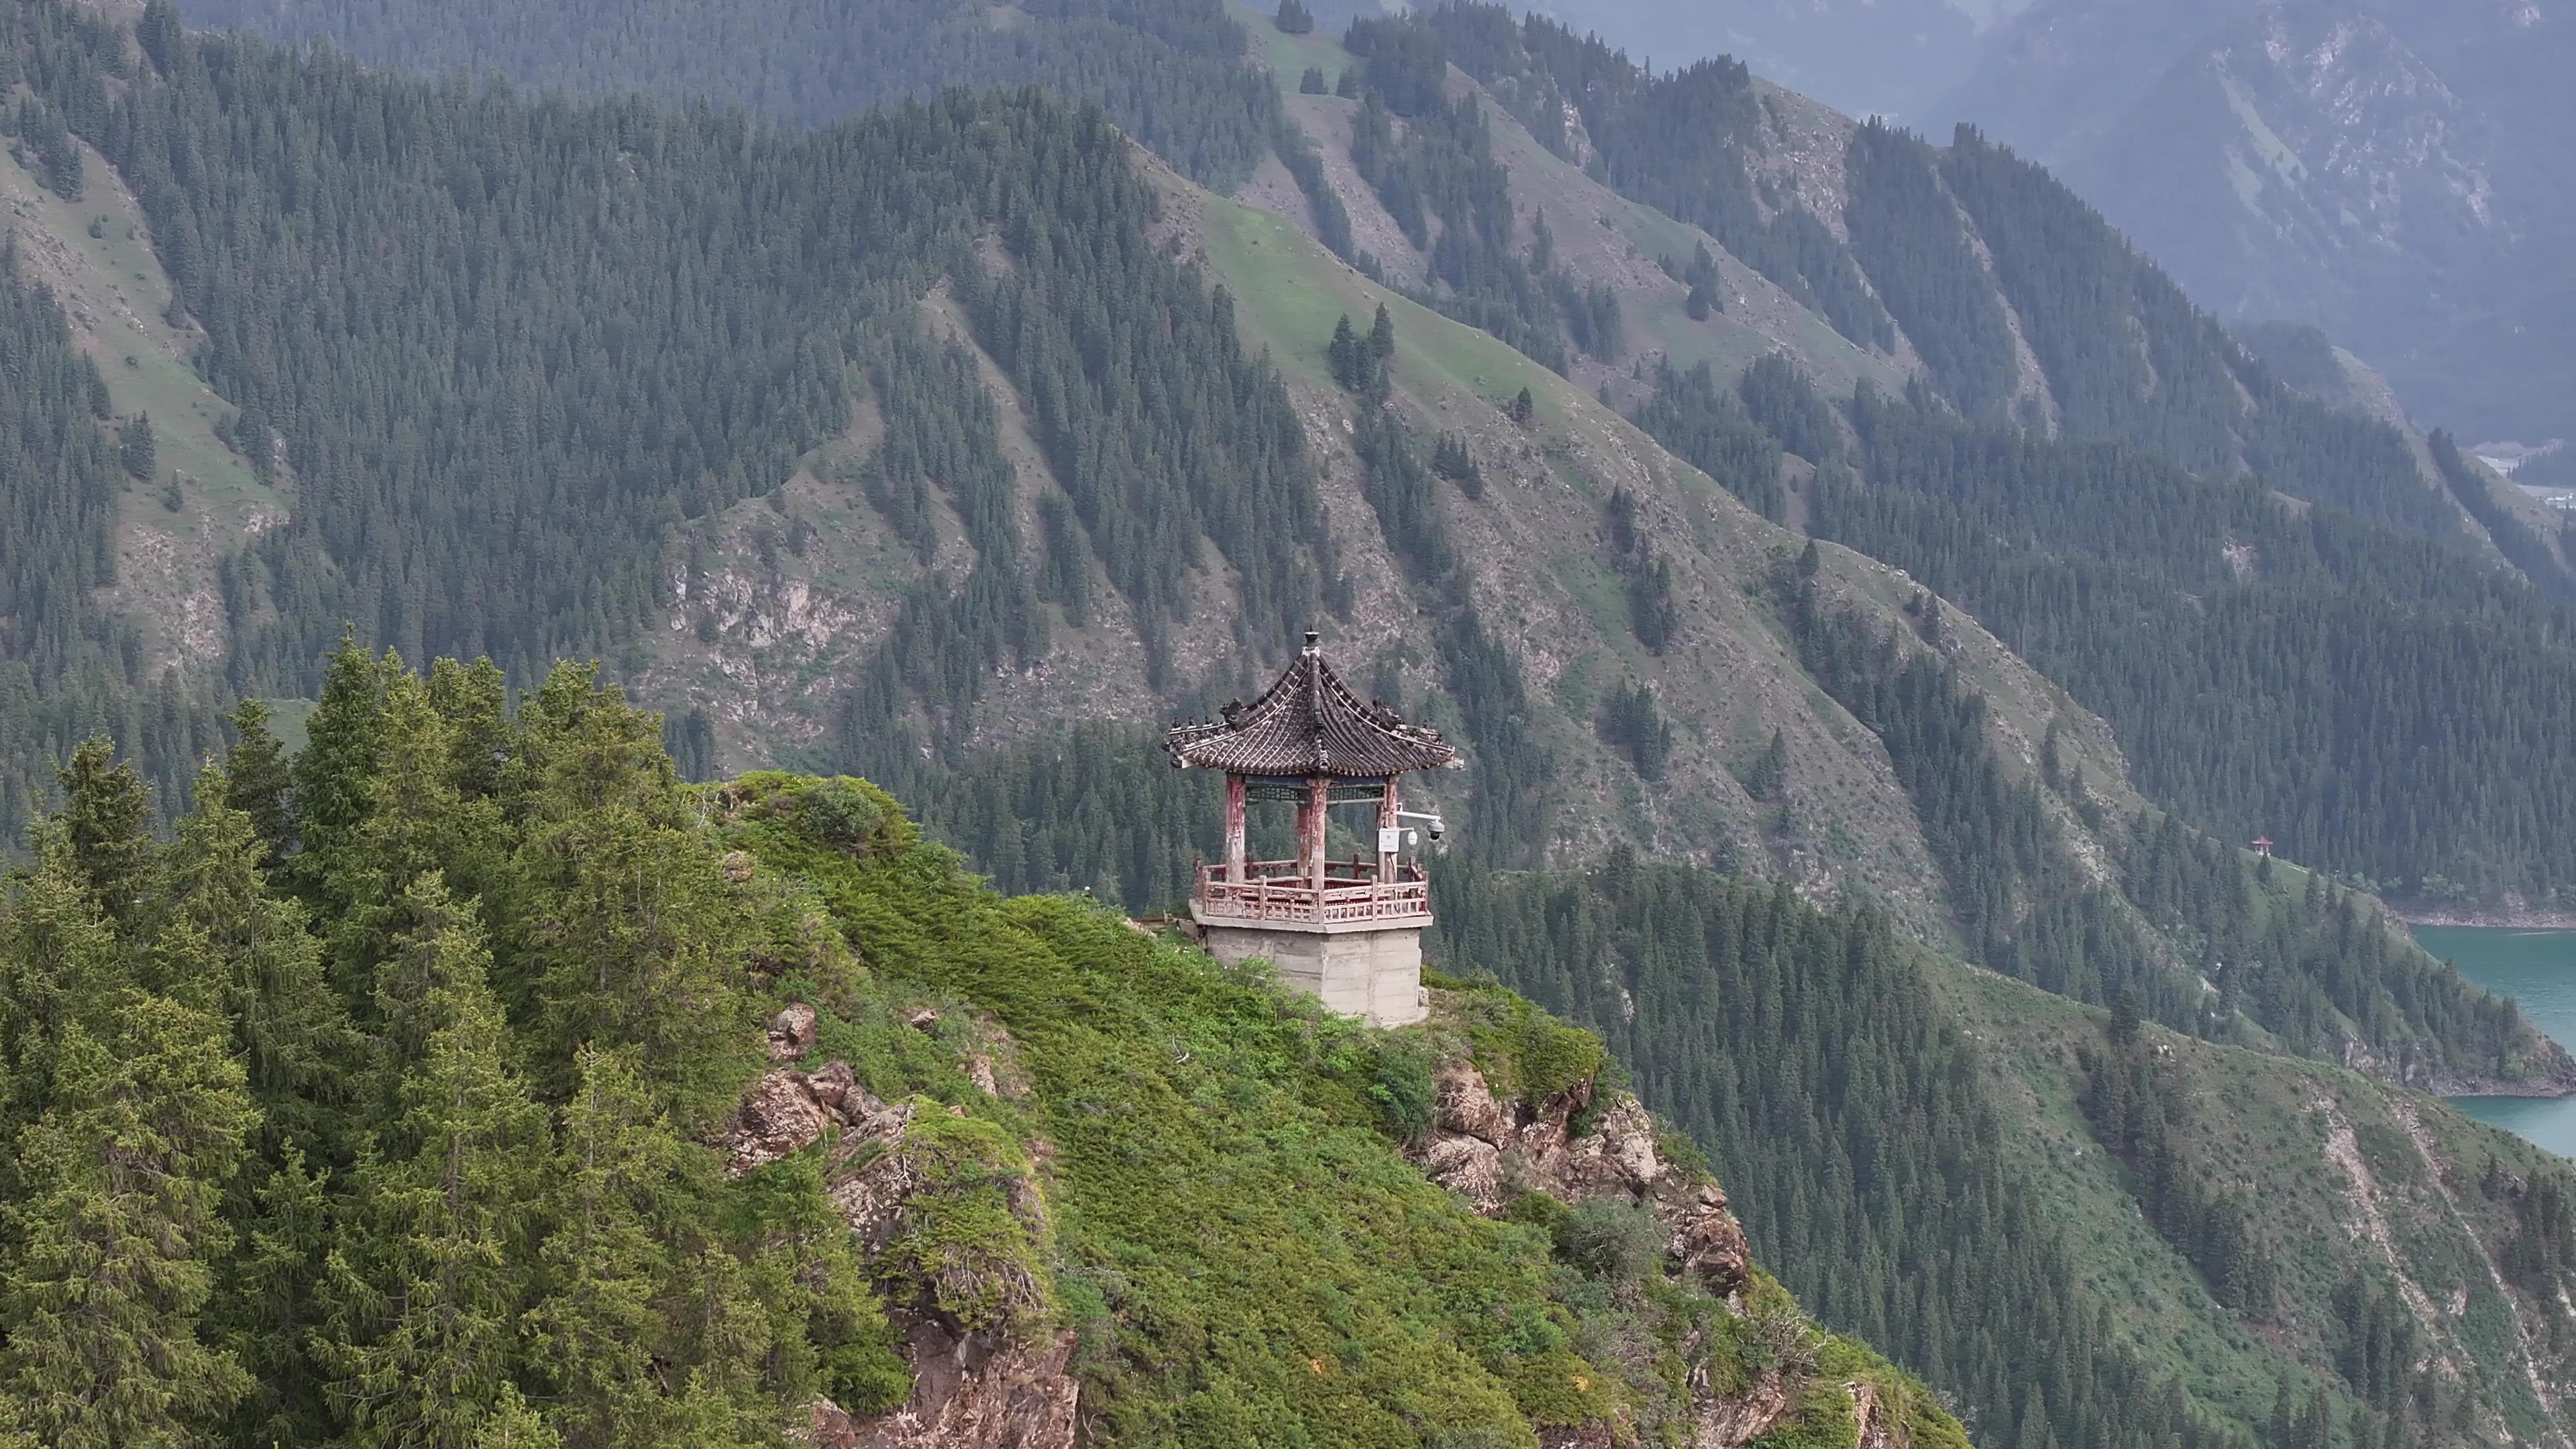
(1770, 773)
(1343, 354)
(1652, 613)
(57, 959)
(117, 1217)
(1451, 459)
(106, 827)
(1630, 722)
(338, 758)
(598, 1329)
(415, 821)
(725, 1337)
(427, 1277)
(473, 702)
(227, 945)
(547, 723)
(260, 780)
(1381, 341)
(267, 1307)
(161, 33)
(514, 1424)
(630, 947)
(136, 449)
(415, 827)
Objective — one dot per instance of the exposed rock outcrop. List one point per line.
(1874, 1431)
(778, 1116)
(1739, 1419)
(1478, 1144)
(984, 1377)
(791, 1032)
(1468, 1166)
(967, 1393)
(1707, 1240)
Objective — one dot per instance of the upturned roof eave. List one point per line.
(1309, 724)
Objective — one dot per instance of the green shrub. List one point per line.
(972, 1243)
(1523, 1051)
(1403, 1088)
(1615, 1240)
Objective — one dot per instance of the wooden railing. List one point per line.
(1279, 890)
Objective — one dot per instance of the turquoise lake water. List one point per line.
(2538, 969)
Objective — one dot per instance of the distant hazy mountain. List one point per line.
(2389, 170)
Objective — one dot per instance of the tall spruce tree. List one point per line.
(413, 822)
(227, 944)
(599, 1330)
(428, 1269)
(57, 960)
(261, 780)
(116, 1223)
(106, 827)
(268, 1304)
(332, 770)
(630, 946)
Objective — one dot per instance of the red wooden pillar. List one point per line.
(1387, 805)
(1234, 827)
(1312, 821)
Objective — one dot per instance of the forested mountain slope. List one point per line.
(369, 1109)
(1964, 278)
(2379, 167)
(1841, 219)
(2077, 1221)
(1007, 500)
(2018, 307)
(1170, 74)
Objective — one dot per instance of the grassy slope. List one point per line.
(117, 296)
(2275, 1125)
(1600, 234)
(1231, 1231)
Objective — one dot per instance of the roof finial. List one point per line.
(1314, 642)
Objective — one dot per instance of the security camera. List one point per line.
(1435, 828)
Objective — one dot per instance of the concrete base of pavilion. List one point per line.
(1368, 969)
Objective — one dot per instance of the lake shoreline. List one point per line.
(2519, 1091)
(2485, 918)
(2515, 954)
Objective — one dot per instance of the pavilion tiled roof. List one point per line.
(1307, 724)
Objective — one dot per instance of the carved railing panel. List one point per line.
(1275, 891)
